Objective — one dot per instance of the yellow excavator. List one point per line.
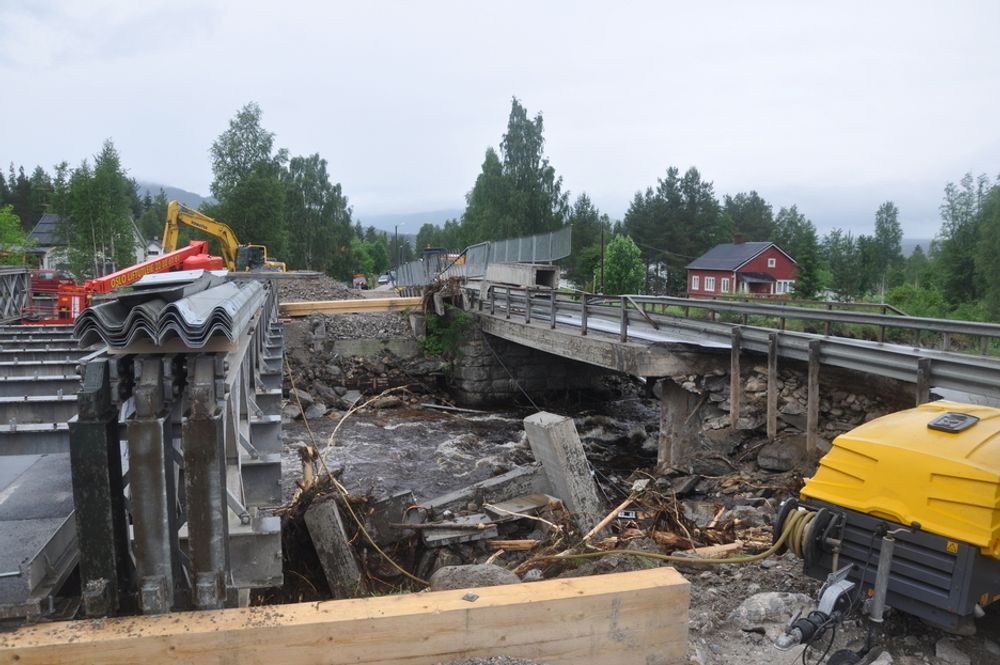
(237, 257)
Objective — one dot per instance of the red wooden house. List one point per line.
(753, 268)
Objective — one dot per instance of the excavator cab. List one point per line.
(254, 258)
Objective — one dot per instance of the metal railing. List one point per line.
(475, 259)
(631, 321)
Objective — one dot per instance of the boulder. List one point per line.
(317, 410)
(947, 651)
(305, 398)
(471, 576)
(769, 612)
(783, 454)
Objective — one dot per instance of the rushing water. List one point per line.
(433, 452)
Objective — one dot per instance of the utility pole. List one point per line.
(397, 253)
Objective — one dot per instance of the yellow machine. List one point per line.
(237, 257)
(911, 502)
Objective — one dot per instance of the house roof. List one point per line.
(730, 256)
(44, 234)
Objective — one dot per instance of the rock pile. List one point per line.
(314, 288)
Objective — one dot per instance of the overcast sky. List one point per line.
(834, 106)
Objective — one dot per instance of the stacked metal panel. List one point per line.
(193, 312)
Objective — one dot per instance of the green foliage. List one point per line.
(517, 192)
(318, 218)
(887, 263)
(918, 301)
(445, 333)
(797, 235)
(589, 225)
(623, 268)
(248, 182)
(153, 216)
(960, 237)
(749, 215)
(94, 205)
(675, 223)
(13, 240)
(987, 256)
(843, 263)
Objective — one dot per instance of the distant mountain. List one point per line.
(190, 199)
(410, 221)
(909, 244)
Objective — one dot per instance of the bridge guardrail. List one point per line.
(922, 366)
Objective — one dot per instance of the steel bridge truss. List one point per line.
(175, 460)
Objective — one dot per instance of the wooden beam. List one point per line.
(348, 306)
(812, 398)
(772, 386)
(621, 619)
(735, 378)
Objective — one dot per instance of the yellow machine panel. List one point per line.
(937, 464)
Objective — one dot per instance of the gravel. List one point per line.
(315, 288)
(494, 660)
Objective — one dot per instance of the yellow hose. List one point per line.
(793, 532)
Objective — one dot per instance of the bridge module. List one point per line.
(172, 459)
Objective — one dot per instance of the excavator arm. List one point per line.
(178, 214)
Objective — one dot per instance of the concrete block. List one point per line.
(333, 548)
(523, 274)
(521, 480)
(556, 444)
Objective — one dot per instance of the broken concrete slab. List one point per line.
(316, 410)
(333, 548)
(387, 512)
(477, 526)
(519, 481)
(555, 443)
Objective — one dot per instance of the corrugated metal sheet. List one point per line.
(194, 313)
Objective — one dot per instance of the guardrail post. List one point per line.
(735, 380)
(827, 325)
(812, 399)
(508, 304)
(583, 316)
(984, 346)
(772, 386)
(493, 300)
(923, 380)
(552, 309)
(881, 334)
(623, 333)
(916, 338)
(945, 341)
(527, 305)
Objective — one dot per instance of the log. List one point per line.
(631, 618)
(513, 545)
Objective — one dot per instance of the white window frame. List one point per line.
(695, 282)
(710, 283)
(772, 263)
(784, 286)
(724, 286)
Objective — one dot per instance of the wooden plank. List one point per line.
(812, 398)
(513, 545)
(348, 306)
(735, 379)
(716, 551)
(772, 386)
(621, 619)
